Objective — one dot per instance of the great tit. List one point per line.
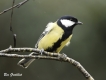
(55, 36)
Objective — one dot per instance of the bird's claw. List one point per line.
(41, 51)
(63, 56)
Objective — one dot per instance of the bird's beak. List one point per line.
(79, 23)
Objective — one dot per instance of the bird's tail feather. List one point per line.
(25, 62)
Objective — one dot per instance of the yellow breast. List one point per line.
(52, 37)
(63, 44)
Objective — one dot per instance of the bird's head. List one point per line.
(68, 21)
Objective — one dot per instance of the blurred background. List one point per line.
(88, 45)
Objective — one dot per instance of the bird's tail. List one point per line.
(25, 62)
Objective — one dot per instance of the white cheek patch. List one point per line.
(67, 23)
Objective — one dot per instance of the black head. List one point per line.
(69, 21)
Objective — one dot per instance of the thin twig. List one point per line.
(11, 20)
(17, 5)
(46, 55)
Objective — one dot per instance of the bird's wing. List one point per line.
(47, 29)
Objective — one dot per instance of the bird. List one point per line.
(55, 36)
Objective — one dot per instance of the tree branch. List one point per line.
(17, 5)
(45, 55)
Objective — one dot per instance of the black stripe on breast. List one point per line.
(58, 43)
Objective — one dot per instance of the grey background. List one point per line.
(88, 45)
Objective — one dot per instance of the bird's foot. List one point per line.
(41, 51)
(63, 56)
